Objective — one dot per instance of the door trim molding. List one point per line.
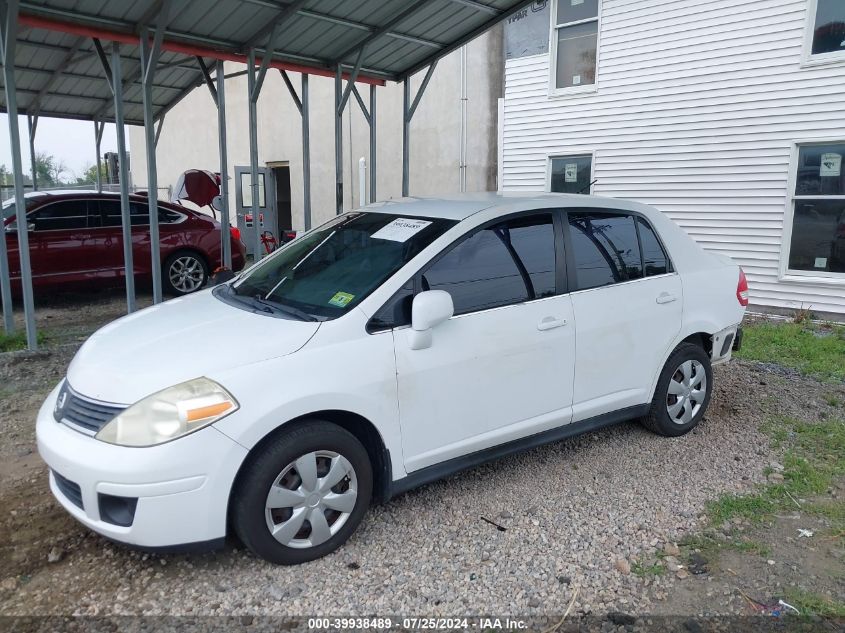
(455, 465)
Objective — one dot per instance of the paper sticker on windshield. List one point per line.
(400, 230)
(341, 299)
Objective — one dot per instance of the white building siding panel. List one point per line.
(697, 108)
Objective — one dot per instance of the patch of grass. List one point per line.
(752, 507)
(796, 345)
(750, 547)
(644, 570)
(810, 604)
(17, 341)
(709, 547)
(814, 458)
(832, 401)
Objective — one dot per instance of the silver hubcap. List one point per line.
(687, 390)
(186, 274)
(311, 499)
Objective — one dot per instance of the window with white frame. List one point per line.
(828, 28)
(575, 33)
(571, 174)
(818, 211)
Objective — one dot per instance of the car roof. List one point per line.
(462, 205)
(70, 194)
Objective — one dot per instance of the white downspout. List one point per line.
(362, 181)
(463, 135)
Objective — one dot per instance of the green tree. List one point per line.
(89, 175)
(49, 170)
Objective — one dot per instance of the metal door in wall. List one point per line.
(244, 191)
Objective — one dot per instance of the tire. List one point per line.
(286, 534)
(184, 272)
(674, 414)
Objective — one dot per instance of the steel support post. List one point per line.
(8, 35)
(149, 59)
(408, 109)
(306, 155)
(99, 126)
(338, 141)
(373, 144)
(126, 221)
(253, 154)
(32, 123)
(406, 129)
(225, 221)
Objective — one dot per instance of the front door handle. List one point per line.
(549, 323)
(665, 297)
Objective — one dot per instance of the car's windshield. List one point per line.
(324, 274)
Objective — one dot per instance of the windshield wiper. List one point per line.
(274, 306)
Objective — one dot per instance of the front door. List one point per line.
(244, 192)
(501, 368)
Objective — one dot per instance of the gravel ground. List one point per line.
(573, 515)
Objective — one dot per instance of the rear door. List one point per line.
(628, 306)
(501, 368)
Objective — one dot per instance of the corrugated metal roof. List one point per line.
(58, 72)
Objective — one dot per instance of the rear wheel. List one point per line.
(184, 272)
(303, 494)
(683, 392)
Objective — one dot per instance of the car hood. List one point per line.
(175, 341)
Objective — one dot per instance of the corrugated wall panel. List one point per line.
(698, 104)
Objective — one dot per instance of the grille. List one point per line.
(69, 489)
(87, 415)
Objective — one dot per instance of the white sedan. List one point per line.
(391, 346)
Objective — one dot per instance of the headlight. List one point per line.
(171, 413)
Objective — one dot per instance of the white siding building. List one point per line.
(728, 116)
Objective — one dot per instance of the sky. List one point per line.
(70, 142)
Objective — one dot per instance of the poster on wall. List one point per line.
(570, 172)
(831, 165)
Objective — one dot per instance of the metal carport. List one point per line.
(55, 64)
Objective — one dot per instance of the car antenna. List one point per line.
(581, 190)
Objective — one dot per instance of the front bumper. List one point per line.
(181, 487)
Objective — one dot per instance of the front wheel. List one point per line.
(683, 392)
(303, 494)
(184, 272)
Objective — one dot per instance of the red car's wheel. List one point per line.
(185, 272)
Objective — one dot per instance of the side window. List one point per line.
(139, 215)
(395, 312)
(110, 212)
(507, 263)
(654, 257)
(69, 214)
(604, 248)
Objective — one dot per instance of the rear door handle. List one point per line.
(549, 323)
(665, 297)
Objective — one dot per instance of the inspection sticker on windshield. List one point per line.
(400, 230)
(341, 299)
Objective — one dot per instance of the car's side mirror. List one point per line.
(430, 309)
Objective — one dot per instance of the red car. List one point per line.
(75, 239)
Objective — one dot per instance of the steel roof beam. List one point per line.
(189, 44)
(400, 17)
(479, 6)
(271, 28)
(487, 25)
(55, 74)
(366, 27)
(78, 77)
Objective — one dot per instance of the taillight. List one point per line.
(742, 289)
(236, 232)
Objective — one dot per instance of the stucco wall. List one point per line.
(189, 136)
